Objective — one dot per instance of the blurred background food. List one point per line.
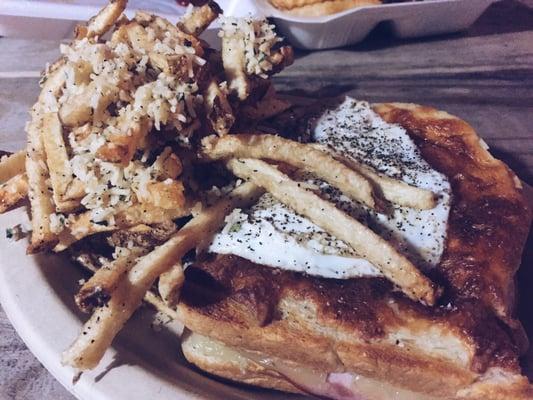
(317, 8)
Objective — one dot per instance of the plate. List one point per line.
(37, 292)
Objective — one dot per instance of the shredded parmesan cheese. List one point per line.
(125, 82)
(144, 80)
(259, 38)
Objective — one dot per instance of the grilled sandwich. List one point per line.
(278, 303)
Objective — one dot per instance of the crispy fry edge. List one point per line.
(13, 191)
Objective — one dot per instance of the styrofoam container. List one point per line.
(411, 19)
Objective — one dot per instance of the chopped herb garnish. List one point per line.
(235, 227)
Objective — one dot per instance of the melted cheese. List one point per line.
(270, 233)
(335, 385)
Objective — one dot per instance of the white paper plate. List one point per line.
(36, 293)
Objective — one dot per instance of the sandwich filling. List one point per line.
(270, 233)
(334, 385)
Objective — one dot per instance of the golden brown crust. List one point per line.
(349, 324)
(288, 4)
(489, 218)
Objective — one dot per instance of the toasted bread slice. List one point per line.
(219, 359)
(358, 325)
(489, 219)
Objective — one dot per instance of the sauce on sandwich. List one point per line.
(270, 233)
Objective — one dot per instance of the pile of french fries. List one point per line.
(161, 146)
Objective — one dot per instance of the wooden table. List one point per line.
(484, 76)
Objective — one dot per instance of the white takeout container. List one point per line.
(407, 20)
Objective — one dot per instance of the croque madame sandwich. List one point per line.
(280, 303)
(332, 247)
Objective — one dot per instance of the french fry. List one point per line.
(399, 192)
(138, 38)
(57, 161)
(40, 197)
(235, 55)
(41, 201)
(81, 226)
(75, 190)
(396, 267)
(302, 156)
(12, 165)
(156, 302)
(12, 191)
(234, 62)
(97, 290)
(150, 214)
(170, 284)
(149, 297)
(135, 33)
(121, 147)
(218, 110)
(103, 21)
(394, 190)
(100, 330)
(168, 195)
(200, 18)
(77, 110)
(167, 164)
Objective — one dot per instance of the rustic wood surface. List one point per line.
(484, 76)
